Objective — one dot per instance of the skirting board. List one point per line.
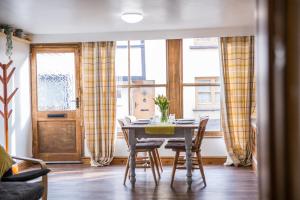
(207, 160)
(166, 160)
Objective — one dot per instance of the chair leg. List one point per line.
(201, 167)
(126, 171)
(145, 155)
(152, 167)
(45, 184)
(174, 167)
(159, 160)
(156, 162)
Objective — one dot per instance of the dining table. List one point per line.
(138, 131)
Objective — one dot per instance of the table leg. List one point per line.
(188, 150)
(132, 144)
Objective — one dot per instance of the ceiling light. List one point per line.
(132, 17)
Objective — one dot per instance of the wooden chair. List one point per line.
(29, 175)
(150, 160)
(179, 147)
(129, 119)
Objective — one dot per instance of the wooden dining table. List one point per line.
(137, 131)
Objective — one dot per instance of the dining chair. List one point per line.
(129, 119)
(179, 147)
(150, 160)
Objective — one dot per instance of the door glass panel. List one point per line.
(56, 81)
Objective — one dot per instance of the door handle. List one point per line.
(77, 102)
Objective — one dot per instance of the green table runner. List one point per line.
(166, 129)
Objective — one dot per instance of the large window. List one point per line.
(141, 75)
(201, 80)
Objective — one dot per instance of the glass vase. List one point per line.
(164, 116)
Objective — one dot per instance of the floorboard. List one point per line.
(76, 181)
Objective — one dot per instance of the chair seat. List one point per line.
(157, 142)
(26, 176)
(162, 140)
(178, 146)
(20, 190)
(148, 145)
(179, 140)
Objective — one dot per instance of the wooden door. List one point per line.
(56, 102)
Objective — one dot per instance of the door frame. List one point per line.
(278, 97)
(72, 47)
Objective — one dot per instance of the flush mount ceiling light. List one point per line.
(132, 17)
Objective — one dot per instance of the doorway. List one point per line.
(56, 102)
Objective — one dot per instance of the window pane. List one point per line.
(56, 81)
(148, 61)
(122, 105)
(122, 102)
(121, 62)
(137, 60)
(204, 89)
(204, 104)
(200, 59)
(204, 97)
(142, 104)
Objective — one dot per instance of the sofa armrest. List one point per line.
(43, 166)
(32, 160)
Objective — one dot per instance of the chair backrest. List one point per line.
(201, 132)
(130, 118)
(122, 123)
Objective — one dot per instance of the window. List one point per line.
(141, 75)
(201, 80)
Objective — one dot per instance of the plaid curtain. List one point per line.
(99, 100)
(238, 102)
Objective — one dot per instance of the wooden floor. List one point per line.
(83, 182)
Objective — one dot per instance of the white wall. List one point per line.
(20, 127)
(145, 35)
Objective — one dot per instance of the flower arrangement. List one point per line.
(163, 103)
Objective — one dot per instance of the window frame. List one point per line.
(130, 78)
(174, 78)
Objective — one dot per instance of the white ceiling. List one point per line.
(103, 16)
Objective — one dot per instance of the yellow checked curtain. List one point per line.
(99, 100)
(238, 102)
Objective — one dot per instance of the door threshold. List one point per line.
(63, 162)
